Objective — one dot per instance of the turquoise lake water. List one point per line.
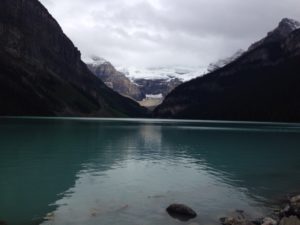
(88, 171)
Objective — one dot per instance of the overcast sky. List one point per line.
(167, 32)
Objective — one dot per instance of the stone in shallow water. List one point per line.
(269, 221)
(181, 212)
(237, 218)
(2, 222)
(292, 220)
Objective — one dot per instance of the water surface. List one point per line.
(89, 171)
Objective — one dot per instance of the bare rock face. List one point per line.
(116, 80)
(41, 72)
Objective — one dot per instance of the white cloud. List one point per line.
(167, 32)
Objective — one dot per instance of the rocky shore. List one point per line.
(286, 214)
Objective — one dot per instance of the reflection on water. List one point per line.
(128, 172)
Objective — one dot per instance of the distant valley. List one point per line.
(148, 86)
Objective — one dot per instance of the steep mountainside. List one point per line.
(115, 79)
(223, 62)
(261, 85)
(41, 72)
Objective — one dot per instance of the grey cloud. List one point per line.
(168, 32)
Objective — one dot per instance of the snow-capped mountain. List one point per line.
(142, 84)
(167, 73)
(114, 79)
(96, 61)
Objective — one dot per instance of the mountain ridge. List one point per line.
(260, 85)
(42, 72)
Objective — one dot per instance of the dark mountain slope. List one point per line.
(261, 85)
(41, 72)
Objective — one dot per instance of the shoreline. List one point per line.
(287, 212)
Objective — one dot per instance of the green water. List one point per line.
(88, 171)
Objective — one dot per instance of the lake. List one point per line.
(111, 171)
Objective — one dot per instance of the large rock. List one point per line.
(269, 221)
(181, 212)
(292, 220)
(295, 201)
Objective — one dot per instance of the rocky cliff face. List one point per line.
(41, 72)
(261, 85)
(116, 80)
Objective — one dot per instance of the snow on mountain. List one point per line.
(183, 73)
(293, 24)
(223, 62)
(95, 61)
(167, 73)
(159, 96)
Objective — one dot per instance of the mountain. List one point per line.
(285, 27)
(115, 79)
(223, 62)
(156, 90)
(41, 72)
(149, 91)
(182, 73)
(261, 85)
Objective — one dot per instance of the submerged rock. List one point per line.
(181, 212)
(194, 224)
(235, 221)
(2, 222)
